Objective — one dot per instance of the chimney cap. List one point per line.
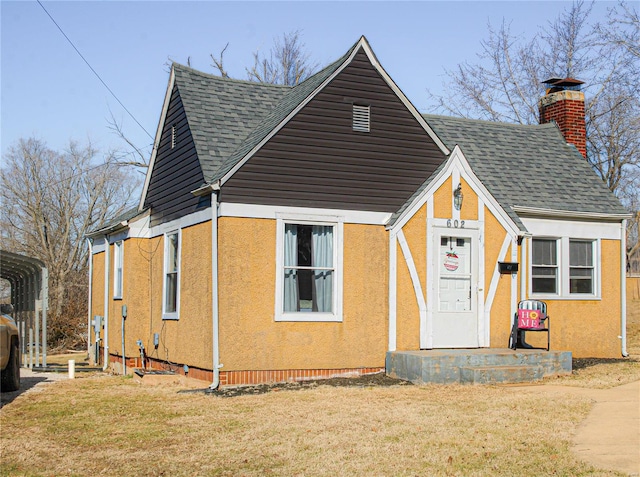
(561, 84)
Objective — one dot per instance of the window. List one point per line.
(308, 272)
(544, 270)
(171, 276)
(361, 118)
(117, 269)
(580, 266)
(564, 267)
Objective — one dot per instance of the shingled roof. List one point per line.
(228, 118)
(528, 166)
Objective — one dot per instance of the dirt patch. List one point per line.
(370, 380)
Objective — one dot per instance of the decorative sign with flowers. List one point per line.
(451, 261)
(530, 319)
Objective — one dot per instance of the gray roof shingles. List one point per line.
(527, 165)
(228, 118)
(521, 165)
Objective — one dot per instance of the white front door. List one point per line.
(455, 316)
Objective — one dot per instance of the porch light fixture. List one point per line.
(457, 197)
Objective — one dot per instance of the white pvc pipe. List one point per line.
(214, 292)
(72, 369)
(90, 300)
(623, 288)
(106, 303)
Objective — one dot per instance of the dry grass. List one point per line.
(607, 373)
(110, 425)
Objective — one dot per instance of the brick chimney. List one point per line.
(564, 104)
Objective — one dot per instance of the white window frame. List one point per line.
(171, 315)
(338, 232)
(564, 270)
(118, 269)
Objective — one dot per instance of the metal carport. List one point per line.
(29, 280)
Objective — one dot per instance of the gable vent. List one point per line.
(361, 118)
(173, 136)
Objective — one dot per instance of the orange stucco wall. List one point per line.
(590, 328)
(500, 317)
(187, 340)
(250, 339)
(408, 312)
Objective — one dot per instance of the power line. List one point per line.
(94, 71)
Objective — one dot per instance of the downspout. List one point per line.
(106, 303)
(90, 300)
(214, 291)
(623, 287)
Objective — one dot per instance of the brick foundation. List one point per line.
(236, 378)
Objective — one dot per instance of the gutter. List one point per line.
(623, 288)
(90, 301)
(106, 303)
(215, 322)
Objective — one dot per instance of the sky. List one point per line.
(49, 92)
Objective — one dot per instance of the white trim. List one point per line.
(574, 229)
(118, 262)
(495, 278)
(457, 162)
(474, 240)
(376, 64)
(566, 214)
(171, 315)
(338, 260)
(427, 343)
(254, 211)
(393, 290)
(514, 277)
(455, 180)
(98, 244)
(362, 43)
(484, 320)
(141, 228)
(415, 280)
(564, 270)
(156, 142)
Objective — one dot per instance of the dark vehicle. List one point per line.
(9, 352)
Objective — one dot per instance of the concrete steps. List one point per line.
(476, 366)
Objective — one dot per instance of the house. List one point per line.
(295, 232)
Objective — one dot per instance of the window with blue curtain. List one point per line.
(308, 268)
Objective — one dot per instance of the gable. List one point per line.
(528, 166)
(176, 169)
(317, 160)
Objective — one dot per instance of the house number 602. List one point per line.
(456, 224)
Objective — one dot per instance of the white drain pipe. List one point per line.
(623, 287)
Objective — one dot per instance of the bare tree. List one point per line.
(505, 85)
(286, 64)
(50, 201)
(218, 63)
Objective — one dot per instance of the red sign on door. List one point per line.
(530, 319)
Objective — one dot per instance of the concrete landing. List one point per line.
(476, 366)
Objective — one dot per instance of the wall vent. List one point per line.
(361, 118)
(173, 136)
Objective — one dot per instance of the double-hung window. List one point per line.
(544, 269)
(564, 267)
(171, 288)
(118, 248)
(309, 271)
(581, 266)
